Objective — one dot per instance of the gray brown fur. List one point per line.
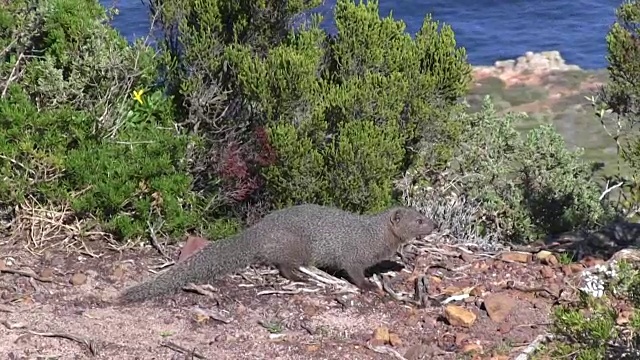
(302, 235)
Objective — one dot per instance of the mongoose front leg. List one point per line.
(286, 271)
(357, 277)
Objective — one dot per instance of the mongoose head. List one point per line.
(408, 223)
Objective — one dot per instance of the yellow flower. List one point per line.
(137, 95)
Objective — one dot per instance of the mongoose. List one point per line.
(301, 235)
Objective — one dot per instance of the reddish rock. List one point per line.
(547, 272)
(498, 306)
(192, 245)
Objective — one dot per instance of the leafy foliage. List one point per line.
(341, 113)
(526, 187)
(71, 131)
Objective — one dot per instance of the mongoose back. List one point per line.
(301, 235)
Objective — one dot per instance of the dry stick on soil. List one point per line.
(287, 292)
(212, 315)
(387, 288)
(386, 350)
(154, 240)
(535, 344)
(205, 289)
(181, 350)
(79, 339)
(29, 274)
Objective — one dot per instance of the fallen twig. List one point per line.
(386, 350)
(287, 292)
(91, 345)
(212, 315)
(180, 349)
(397, 296)
(535, 344)
(204, 289)
(154, 240)
(29, 274)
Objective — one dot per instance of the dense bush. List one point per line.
(521, 187)
(70, 129)
(238, 111)
(307, 116)
(618, 103)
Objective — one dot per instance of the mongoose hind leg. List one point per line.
(286, 271)
(357, 277)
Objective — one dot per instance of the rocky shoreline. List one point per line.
(529, 68)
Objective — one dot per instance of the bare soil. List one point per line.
(57, 307)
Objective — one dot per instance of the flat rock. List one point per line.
(498, 306)
(459, 316)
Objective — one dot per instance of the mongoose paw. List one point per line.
(367, 286)
(287, 273)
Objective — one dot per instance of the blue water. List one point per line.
(489, 30)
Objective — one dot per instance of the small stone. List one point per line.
(241, 309)
(505, 328)
(78, 279)
(551, 260)
(416, 352)
(452, 290)
(313, 348)
(477, 291)
(380, 336)
(394, 340)
(516, 256)
(576, 268)
(459, 316)
(543, 254)
(460, 338)
(498, 306)
(472, 348)
(547, 272)
(567, 270)
(118, 272)
(590, 261)
(46, 273)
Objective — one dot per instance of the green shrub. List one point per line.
(523, 187)
(597, 326)
(76, 127)
(618, 105)
(324, 119)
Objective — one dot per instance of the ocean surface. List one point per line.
(489, 30)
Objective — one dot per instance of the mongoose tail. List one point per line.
(215, 259)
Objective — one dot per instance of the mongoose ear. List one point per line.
(396, 216)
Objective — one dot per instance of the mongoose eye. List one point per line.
(420, 221)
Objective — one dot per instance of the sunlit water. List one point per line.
(490, 30)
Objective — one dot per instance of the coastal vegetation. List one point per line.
(243, 107)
